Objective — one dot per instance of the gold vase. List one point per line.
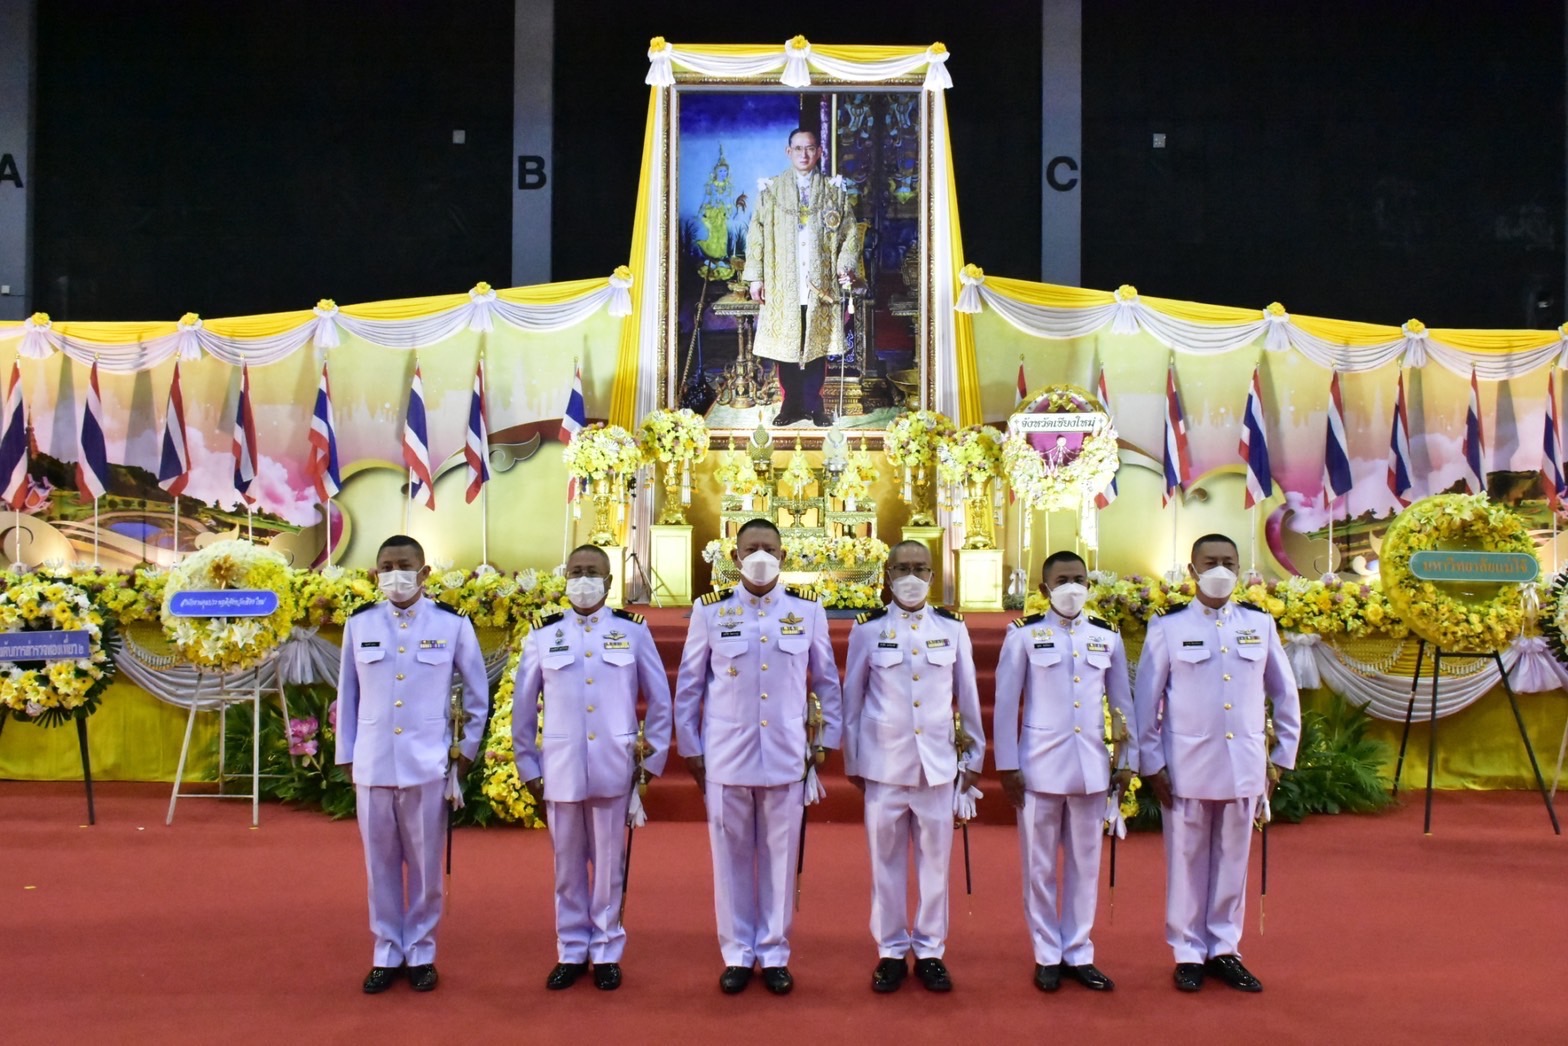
(672, 512)
(603, 532)
(979, 529)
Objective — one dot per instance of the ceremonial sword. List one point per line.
(640, 751)
(964, 744)
(815, 755)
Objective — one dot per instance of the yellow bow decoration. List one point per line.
(622, 272)
(798, 43)
(658, 43)
(973, 271)
(190, 319)
(938, 48)
(481, 289)
(1127, 292)
(39, 319)
(327, 305)
(1274, 309)
(1414, 326)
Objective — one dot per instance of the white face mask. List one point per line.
(585, 592)
(910, 590)
(1068, 599)
(399, 585)
(1217, 582)
(760, 568)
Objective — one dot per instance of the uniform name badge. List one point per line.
(369, 643)
(884, 645)
(1047, 644)
(1189, 643)
(730, 633)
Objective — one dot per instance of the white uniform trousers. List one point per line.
(755, 836)
(1076, 825)
(901, 819)
(403, 826)
(590, 848)
(1206, 847)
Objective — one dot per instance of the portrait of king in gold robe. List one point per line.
(803, 256)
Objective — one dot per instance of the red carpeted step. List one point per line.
(675, 797)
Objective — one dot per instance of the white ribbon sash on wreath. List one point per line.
(1318, 663)
(303, 659)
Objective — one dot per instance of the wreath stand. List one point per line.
(87, 763)
(222, 696)
(1438, 653)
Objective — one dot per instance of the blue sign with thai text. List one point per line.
(45, 646)
(224, 602)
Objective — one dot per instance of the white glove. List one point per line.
(964, 802)
(453, 793)
(815, 793)
(1114, 823)
(636, 816)
(1265, 815)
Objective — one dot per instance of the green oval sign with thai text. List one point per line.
(1483, 567)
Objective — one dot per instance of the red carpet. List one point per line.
(130, 932)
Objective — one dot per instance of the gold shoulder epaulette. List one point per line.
(803, 592)
(367, 606)
(1031, 619)
(627, 615)
(548, 617)
(714, 596)
(944, 612)
(1101, 622)
(871, 615)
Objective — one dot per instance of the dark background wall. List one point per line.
(1370, 161)
(1367, 161)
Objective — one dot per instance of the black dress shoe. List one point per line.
(778, 980)
(380, 978)
(1229, 969)
(888, 975)
(1087, 975)
(423, 978)
(787, 417)
(607, 976)
(1047, 978)
(933, 974)
(734, 979)
(1189, 976)
(565, 975)
(821, 419)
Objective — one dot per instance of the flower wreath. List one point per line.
(911, 438)
(229, 644)
(1554, 616)
(55, 692)
(673, 437)
(602, 452)
(1087, 474)
(1448, 521)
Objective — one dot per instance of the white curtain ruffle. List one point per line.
(794, 65)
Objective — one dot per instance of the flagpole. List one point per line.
(176, 528)
(250, 522)
(484, 488)
(95, 532)
(16, 536)
(1329, 565)
(328, 507)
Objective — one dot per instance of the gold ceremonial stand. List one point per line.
(979, 578)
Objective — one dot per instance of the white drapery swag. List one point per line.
(1316, 662)
(1127, 315)
(302, 659)
(323, 330)
(794, 63)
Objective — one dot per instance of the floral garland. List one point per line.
(911, 438)
(54, 692)
(969, 458)
(854, 479)
(1469, 520)
(736, 475)
(601, 452)
(677, 437)
(229, 644)
(497, 600)
(1041, 487)
(849, 595)
(811, 553)
(1297, 604)
(499, 782)
(1554, 616)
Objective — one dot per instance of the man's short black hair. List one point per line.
(402, 541)
(1219, 539)
(907, 543)
(803, 130)
(1063, 556)
(752, 524)
(592, 548)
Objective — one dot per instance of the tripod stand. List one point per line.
(649, 578)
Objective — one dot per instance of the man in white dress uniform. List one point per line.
(395, 735)
(1059, 673)
(1206, 673)
(587, 666)
(752, 658)
(910, 666)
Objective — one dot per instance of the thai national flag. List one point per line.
(1108, 495)
(576, 414)
(244, 448)
(1475, 444)
(416, 446)
(1178, 463)
(92, 458)
(476, 445)
(13, 445)
(1254, 446)
(322, 465)
(1399, 482)
(174, 462)
(1023, 386)
(1337, 478)
(1551, 457)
